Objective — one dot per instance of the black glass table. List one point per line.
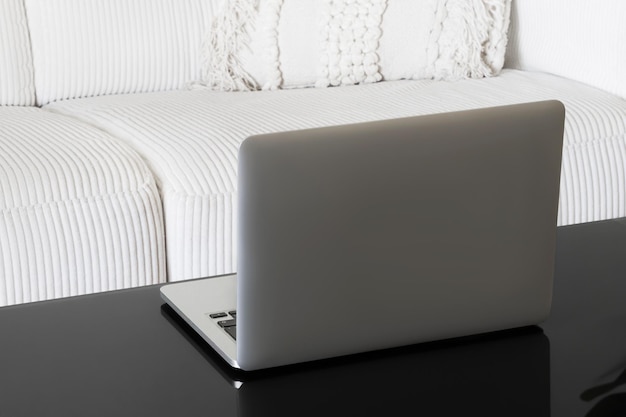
(125, 353)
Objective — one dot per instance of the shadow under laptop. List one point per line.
(501, 373)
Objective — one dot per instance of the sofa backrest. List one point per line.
(16, 66)
(584, 40)
(84, 48)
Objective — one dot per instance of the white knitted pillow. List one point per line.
(274, 44)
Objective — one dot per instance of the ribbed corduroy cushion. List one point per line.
(190, 140)
(578, 39)
(79, 211)
(16, 66)
(84, 48)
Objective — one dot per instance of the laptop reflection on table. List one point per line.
(500, 374)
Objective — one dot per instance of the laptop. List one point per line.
(376, 235)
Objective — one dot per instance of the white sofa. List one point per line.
(114, 174)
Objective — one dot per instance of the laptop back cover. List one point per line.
(362, 237)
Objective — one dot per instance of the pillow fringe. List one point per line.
(229, 34)
(495, 47)
(270, 26)
(465, 42)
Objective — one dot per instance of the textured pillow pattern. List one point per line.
(274, 44)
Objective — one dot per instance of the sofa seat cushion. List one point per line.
(79, 211)
(190, 141)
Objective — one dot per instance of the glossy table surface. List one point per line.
(126, 354)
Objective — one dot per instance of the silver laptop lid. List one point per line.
(368, 236)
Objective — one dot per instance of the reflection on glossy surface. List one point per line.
(120, 354)
(586, 327)
(501, 374)
(610, 405)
